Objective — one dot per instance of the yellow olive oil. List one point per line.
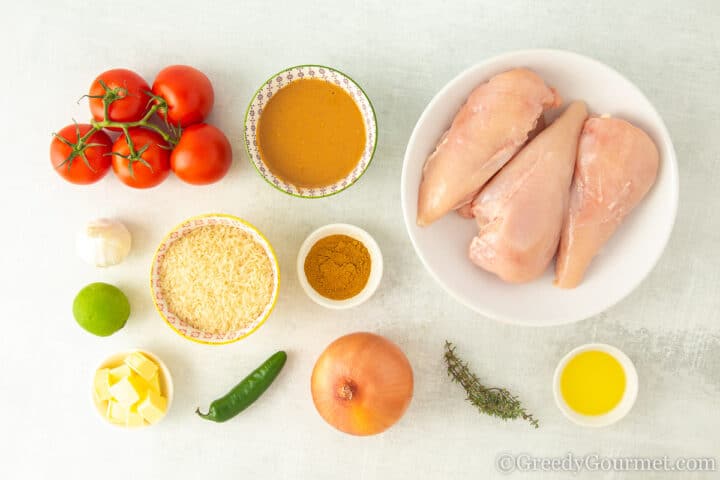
(592, 383)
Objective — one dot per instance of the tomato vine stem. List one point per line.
(110, 96)
(143, 122)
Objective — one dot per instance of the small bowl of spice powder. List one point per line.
(339, 266)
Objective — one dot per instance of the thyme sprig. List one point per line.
(498, 402)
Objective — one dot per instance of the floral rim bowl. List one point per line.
(282, 79)
(178, 324)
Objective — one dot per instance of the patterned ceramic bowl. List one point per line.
(178, 324)
(282, 79)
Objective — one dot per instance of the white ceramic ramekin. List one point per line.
(622, 408)
(376, 264)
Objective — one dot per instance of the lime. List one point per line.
(101, 309)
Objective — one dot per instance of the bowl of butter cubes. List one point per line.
(132, 389)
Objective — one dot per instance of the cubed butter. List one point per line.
(142, 365)
(154, 382)
(116, 412)
(153, 406)
(119, 372)
(101, 384)
(134, 419)
(127, 391)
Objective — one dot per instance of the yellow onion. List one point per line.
(362, 384)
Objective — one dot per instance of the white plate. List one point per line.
(626, 259)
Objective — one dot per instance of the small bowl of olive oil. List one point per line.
(595, 385)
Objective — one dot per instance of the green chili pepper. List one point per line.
(245, 392)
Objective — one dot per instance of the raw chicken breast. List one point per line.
(520, 212)
(488, 130)
(616, 166)
(465, 211)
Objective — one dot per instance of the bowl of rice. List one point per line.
(215, 279)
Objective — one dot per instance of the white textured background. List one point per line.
(401, 54)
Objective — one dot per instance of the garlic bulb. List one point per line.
(103, 242)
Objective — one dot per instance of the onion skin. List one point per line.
(362, 384)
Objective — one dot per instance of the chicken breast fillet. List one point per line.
(520, 212)
(488, 130)
(617, 165)
(465, 211)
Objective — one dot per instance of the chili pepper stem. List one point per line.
(208, 416)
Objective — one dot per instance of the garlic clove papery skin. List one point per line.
(103, 242)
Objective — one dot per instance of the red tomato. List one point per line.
(145, 170)
(203, 155)
(130, 91)
(81, 166)
(188, 93)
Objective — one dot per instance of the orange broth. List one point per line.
(311, 133)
